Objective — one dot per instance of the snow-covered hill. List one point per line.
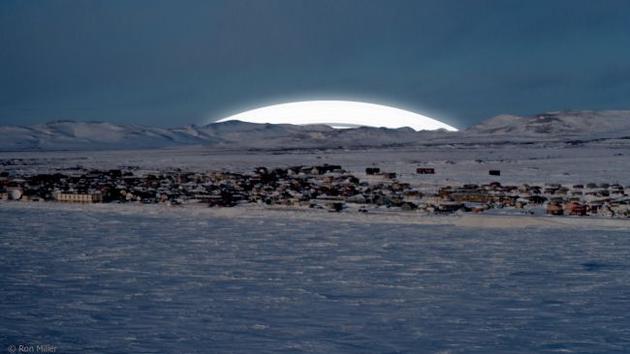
(236, 135)
(70, 135)
(558, 124)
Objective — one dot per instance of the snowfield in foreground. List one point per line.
(198, 283)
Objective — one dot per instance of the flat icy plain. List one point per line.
(533, 163)
(105, 281)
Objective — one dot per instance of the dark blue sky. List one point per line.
(171, 63)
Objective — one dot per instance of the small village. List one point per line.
(327, 187)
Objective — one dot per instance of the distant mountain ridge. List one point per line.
(557, 123)
(73, 135)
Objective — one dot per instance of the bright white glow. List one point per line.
(339, 114)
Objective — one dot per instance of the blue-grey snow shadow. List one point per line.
(104, 283)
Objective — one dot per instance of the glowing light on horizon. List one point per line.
(339, 114)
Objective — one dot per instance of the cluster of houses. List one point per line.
(580, 200)
(323, 187)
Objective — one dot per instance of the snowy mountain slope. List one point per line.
(69, 135)
(558, 124)
(236, 135)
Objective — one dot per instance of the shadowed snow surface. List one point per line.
(113, 283)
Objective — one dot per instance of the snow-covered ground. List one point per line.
(519, 163)
(557, 147)
(109, 282)
(493, 219)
